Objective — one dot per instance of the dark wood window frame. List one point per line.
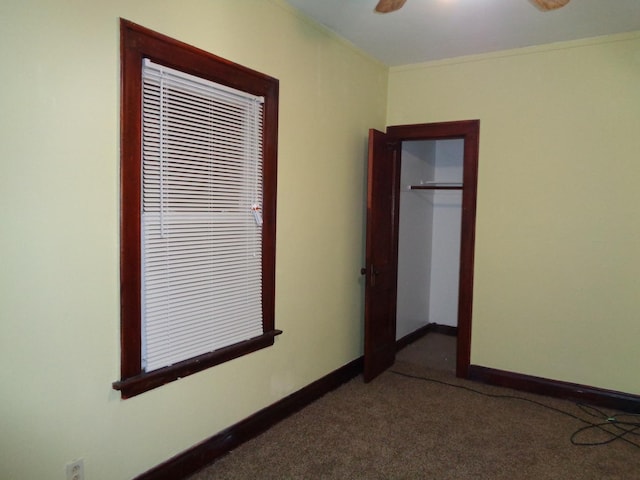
(137, 43)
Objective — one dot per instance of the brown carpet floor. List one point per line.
(404, 428)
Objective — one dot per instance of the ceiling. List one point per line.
(426, 30)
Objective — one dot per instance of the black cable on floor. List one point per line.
(615, 426)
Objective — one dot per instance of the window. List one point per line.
(198, 190)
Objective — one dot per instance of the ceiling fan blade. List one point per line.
(546, 5)
(386, 6)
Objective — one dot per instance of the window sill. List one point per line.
(130, 387)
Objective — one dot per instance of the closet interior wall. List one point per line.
(429, 235)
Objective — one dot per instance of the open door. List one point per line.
(382, 239)
(381, 256)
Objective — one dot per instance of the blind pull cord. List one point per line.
(162, 163)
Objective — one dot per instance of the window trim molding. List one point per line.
(136, 43)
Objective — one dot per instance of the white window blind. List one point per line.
(201, 228)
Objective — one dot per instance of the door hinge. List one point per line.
(373, 273)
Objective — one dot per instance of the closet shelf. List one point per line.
(436, 186)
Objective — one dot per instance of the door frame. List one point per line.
(469, 131)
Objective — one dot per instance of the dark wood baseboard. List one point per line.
(201, 455)
(443, 329)
(411, 337)
(422, 331)
(554, 388)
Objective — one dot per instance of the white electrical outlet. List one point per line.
(75, 470)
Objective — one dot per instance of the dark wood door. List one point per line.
(381, 256)
(382, 239)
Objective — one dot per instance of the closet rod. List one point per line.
(435, 187)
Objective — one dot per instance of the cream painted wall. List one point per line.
(557, 262)
(59, 286)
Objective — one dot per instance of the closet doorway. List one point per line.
(433, 165)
